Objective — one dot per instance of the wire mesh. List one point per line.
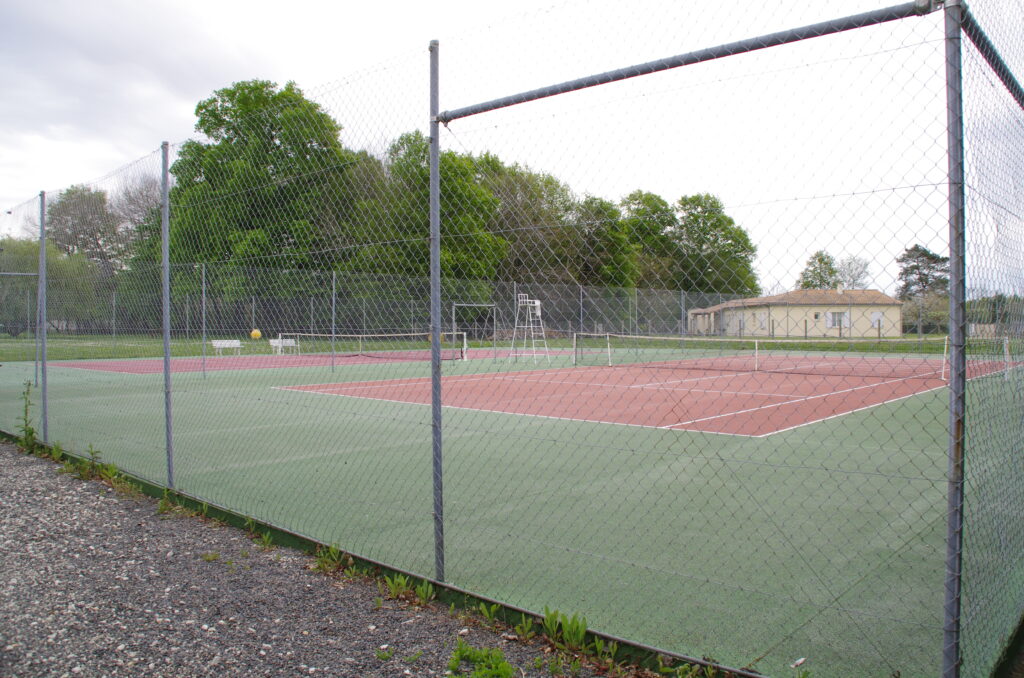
(768, 230)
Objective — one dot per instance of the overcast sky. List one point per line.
(91, 87)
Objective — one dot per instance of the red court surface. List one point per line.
(741, 403)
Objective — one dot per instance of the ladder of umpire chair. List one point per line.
(529, 328)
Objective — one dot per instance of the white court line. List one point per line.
(793, 402)
(843, 414)
(305, 388)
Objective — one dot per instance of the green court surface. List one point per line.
(825, 541)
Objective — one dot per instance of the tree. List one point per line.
(714, 253)
(820, 273)
(853, 272)
(269, 186)
(650, 221)
(80, 221)
(922, 272)
(605, 256)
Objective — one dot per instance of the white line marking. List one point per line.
(790, 402)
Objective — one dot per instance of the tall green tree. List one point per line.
(650, 221)
(395, 227)
(268, 186)
(533, 216)
(820, 273)
(922, 273)
(715, 253)
(604, 254)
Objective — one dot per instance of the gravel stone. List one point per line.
(95, 583)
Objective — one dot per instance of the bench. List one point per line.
(220, 344)
(279, 345)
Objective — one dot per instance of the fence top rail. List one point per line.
(884, 15)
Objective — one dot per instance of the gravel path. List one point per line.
(95, 583)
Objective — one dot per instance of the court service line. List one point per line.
(843, 414)
(790, 402)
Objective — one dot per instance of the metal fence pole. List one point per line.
(44, 416)
(165, 227)
(334, 306)
(203, 290)
(951, 655)
(113, 316)
(435, 314)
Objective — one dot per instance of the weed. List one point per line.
(398, 585)
(328, 560)
(538, 663)
(166, 504)
(126, 487)
(575, 666)
(804, 673)
(250, 527)
(210, 557)
(574, 632)
(550, 623)
(413, 658)
(385, 653)
(489, 613)
(204, 510)
(524, 629)
(555, 666)
(243, 553)
(266, 541)
(424, 592)
(28, 440)
(352, 572)
(486, 662)
(68, 467)
(56, 452)
(378, 603)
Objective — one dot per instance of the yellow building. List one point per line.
(803, 313)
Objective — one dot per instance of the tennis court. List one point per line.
(580, 482)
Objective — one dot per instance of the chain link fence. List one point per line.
(687, 349)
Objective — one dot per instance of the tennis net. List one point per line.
(412, 346)
(883, 358)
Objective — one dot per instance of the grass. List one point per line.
(688, 541)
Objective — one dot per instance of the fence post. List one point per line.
(203, 292)
(435, 314)
(44, 416)
(113, 317)
(334, 301)
(951, 654)
(165, 293)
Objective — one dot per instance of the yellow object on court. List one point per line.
(255, 334)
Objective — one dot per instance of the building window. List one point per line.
(817, 316)
(836, 319)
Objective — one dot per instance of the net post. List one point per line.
(465, 346)
(574, 340)
(945, 357)
(608, 341)
(1006, 358)
(757, 357)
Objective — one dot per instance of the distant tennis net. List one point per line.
(412, 346)
(884, 358)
